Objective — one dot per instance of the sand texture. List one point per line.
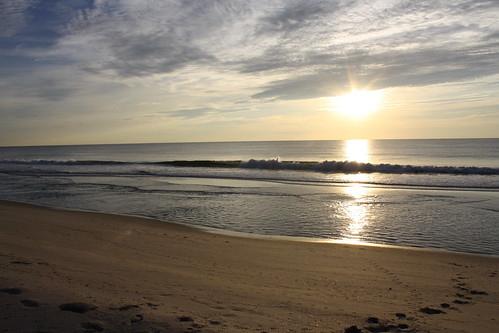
(63, 271)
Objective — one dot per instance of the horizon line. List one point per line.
(236, 141)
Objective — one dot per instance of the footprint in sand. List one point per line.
(352, 329)
(478, 292)
(125, 307)
(137, 318)
(463, 296)
(400, 315)
(30, 303)
(77, 307)
(195, 325)
(460, 302)
(395, 278)
(152, 305)
(455, 264)
(403, 327)
(465, 289)
(12, 291)
(461, 286)
(376, 325)
(92, 327)
(430, 311)
(20, 262)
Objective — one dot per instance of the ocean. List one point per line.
(441, 193)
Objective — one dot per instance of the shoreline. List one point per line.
(336, 183)
(240, 234)
(136, 274)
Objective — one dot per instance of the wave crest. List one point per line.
(359, 167)
(276, 164)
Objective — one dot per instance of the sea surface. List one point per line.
(422, 193)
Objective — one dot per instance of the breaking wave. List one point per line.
(275, 164)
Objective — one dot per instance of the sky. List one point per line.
(122, 71)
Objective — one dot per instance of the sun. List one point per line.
(357, 103)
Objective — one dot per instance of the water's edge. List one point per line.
(238, 234)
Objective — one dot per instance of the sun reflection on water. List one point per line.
(357, 150)
(357, 214)
(355, 207)
(356, 210)
(356, 191)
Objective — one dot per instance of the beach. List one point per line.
(309, 192)
(68, 271)
(249, 166)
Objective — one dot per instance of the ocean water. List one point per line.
(423, 193)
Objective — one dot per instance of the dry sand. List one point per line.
(138, 275)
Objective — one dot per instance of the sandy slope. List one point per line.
(177, 279)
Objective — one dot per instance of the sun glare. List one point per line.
(357, 150)
(358, 103)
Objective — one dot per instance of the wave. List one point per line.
(275, 164)
(64, 162)
(359, 167)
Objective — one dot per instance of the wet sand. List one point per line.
(63, 271)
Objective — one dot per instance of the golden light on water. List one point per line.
(356, 207)
(355, 210)
(357, 215)
(357, 150)
(357, 103)
(356, 191)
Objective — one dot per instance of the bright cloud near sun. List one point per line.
(158, 71)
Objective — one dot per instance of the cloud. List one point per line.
(197, 58)
(13, 16)
(142, 55)
(330, 41)
(140, 39)
(295, 15)
(405, 44)
(191, 113)
(388, 69)
(42, 87)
